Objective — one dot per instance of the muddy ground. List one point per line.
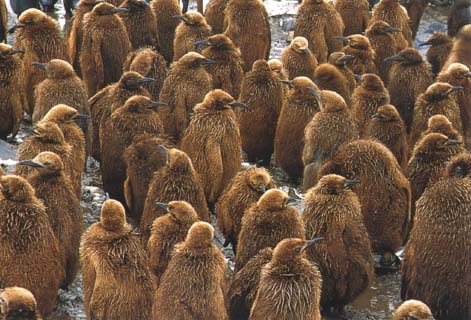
(377, 302)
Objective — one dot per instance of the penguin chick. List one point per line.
(262, 91)
(442, 217)
(192, 283)
(302, 104)
(266, 223)
(355, 15)
(65, 117)
(214, 14)
(164, 11)
(105, 46)
(363, 54)
(247, 23)
(30, 256)
(40, 38)
(288, 276)
(387, 127)
(167, 231)
(298, 60)
(226, 71)
(140, 23)
(461, 50)
(458, 16)
(143, 157)
(182, 92)
(393, 13)
(54, 189)
(212, 141)
(193, 27)
(440, 124)
(320, 23)
(344, 256)
(440, 47)
(336, 76)
(412, 309)
(110, 98)
(384, 191)
(150, 64)
(115, 268)
(437, 99)
(329, 129)
(415, 10)
(16, 302)
(12, 94)
(135, 117)
(243, 191)
(177, 181)
(409, 77)
(366, 99)
(384, 44)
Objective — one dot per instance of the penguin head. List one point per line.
(300, 45)
(436, 144)
(113, 216)
(259, 179)
(218, 41)
(61, 113)
(439, 123)
(132, 80)
(106, 9)
(339, 58)
(387, 113)
(439, 91)
(333, 184)
(219, 100)
(261, 66)
(412, 310)
(195, 19)
(59, 69)
(47, 163)
(179, 162)
(438, 38)
(274, 200)
(193, 60)
(17, 303)
(140, 104)
(180, 211)
(291, 249)
(372, 82)
(381, 28)
(201, 234)
(408, 56)
(31, 18)
(459, 71)
(303, 86)
(7, 51)
(16, 188)
(48, 131)
(332, 102)
(277, 67)
(357, 41)
(459, 166)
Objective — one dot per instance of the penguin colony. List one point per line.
(170, 103)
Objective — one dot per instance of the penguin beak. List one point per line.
(426, 43)
(357, 77)
(42, 66)
(30, 163)
(468, 75)
(306, 51)
(241, 105)
(350, 183)
(344, 39)
(156, 104)
(392, 30)
(163, 148)
(453, 142)
(377, 116)
(181, 17)
(287, 82)
(202, 43)
(346, 57)
(261, 189)
(81, 117)
(456, 88)
(13, 52)
(163, 206)
(118, 10)
(311, 243)
(207, 62)
(145, 80)
(314, 92)
(395, 58)
(17, 26)
(291, 201)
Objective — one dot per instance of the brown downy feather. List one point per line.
(164, 11)
(192, 28)
(440, 48)
(412, 310)
(393, 13)
(140, 24)
(18, 302)
(363, 54)
(214, 14)
(355, 15)
(461, 51)
(298, 60)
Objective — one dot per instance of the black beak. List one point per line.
(350, 183)
(207, 62)
(180, 17)
(456, 88)
(145, 80)
(468, 75)
(357, 77)
(346, 57)
(287, 82)
(426, 43)
(377, 116)
(17, 26)
(163, 148)
(344, 39)
(163, 206)
(392, 30)
(30, 163)
(312, 242)
(241, 105)
(314, 92)
(17, 52)
(156, 104)
(202, 43)
(306, 51)
(40, 65)
(395, 58)
(453, 142)
(291, 201)
(81, 117)
(118, 10)
(262, 189)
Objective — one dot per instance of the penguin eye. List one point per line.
(47, 164)
(297, 249)
(170, 208)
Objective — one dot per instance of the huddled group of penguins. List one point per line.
(167, 101)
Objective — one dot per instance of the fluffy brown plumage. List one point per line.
(441, 221)
(320, 24)
(329, 129)
(344, 256)
(355, 15)
(301, 106)
(135, 117)
(115, 268)
(192, 285)
(384, 191)
(212, 141)
(227, 72)
(105, 46)
(140, 23)
(437, 54)
(366, 99)
(266, 223)
(408, 77)
(167, 231)
(262, 91)
(164, 11)
(12, 94)
(214, 14)
(192, 27)
(437, 99)
(458, 16)
(387, 127)
(288, 276)
(177, 181)
(336, 76)
(143, 157)
(298, 60)
(247, 23)
(393, 13)
(412, 309)
(415, 10)
(53, 187)
(461, 51)
(18, 302)
(40, 37)
(440, 124)
(363, 54)
(243, 191)
(30, 256)
(186, 85)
